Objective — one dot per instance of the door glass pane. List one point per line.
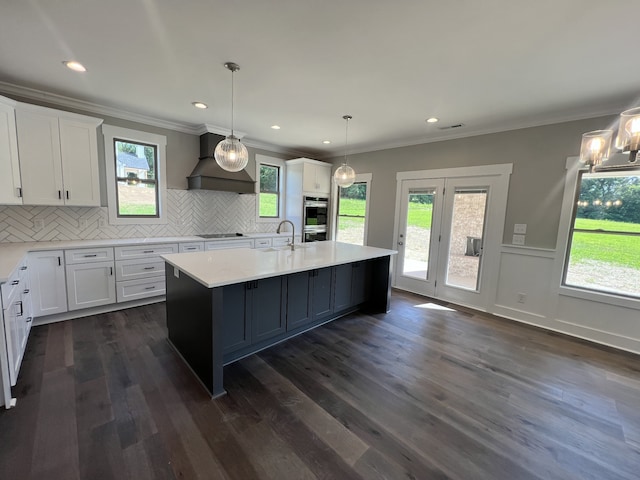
(352, 205)
(418, 234)
(465, 245)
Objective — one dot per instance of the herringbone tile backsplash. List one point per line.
(189, 213)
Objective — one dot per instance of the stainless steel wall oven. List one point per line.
(315, 219)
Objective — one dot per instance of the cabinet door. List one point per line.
(40, 162)
(79, 153)
(322, 295)
(12, 339)
(47, 283)
(359, 284)
(235, 324)
(309, 178)
(268, 317)
(90, 285)
(323, 179)
(299, 308)
(10, 187)
(342, 288)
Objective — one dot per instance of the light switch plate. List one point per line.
(520, 228)
(518, 240)
(38, 224)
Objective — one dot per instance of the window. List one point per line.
(136, 186)
(270, 173)
(604, 242)
(352, 211)
(136, 183)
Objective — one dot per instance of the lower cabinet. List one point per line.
(90, 285)
(321, 292)
(299, 304)
(350, 285)
(253, 312)
(47, 282)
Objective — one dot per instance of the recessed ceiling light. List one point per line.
(199, 105)
(275, 127)
(326, 142)
(75, 66)
(432, 120)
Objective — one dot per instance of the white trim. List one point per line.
(110, 132)
(478, 171)
(360, 178)
(274, 162)
(528, 251)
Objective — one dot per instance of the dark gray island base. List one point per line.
(212, 327)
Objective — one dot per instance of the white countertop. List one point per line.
(216, 268)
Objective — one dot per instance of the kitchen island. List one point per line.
(224, 305)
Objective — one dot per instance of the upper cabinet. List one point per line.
(313, 176)
(10, 187)
(58, 154)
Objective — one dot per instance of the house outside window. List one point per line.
(603, 253)
(135, 171)
(270, 188)
(137, 186)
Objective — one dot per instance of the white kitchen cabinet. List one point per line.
(140, 271)
(308, 177)
(17, 319)
(90, 285)
(58, 154)
(222, 244)
(187, 247)
(47, 282)
(90, 277)
(10, 185)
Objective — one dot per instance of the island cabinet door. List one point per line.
(343, 287)
(360, 272)
(299, 307)
(322, 293)
(267, 306)
(236, 333)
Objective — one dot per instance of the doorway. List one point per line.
(449, 227)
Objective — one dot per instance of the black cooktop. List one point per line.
(219, 235)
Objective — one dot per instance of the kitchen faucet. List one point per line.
(293, 233)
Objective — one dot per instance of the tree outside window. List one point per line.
(604, 245)
(269, 200)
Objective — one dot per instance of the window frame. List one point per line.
(571, 194)
(112, 134)
(365, 178)
(281, 165)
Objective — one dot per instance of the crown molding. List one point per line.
(518, 125)
(64, 101)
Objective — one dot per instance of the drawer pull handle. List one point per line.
(23, 268)
(148, 251)
(149, 268)
(29, 319)
(15, 282)
(25, 291)
(91, 255)
(21, 310)
(190, 248)
(150, 288)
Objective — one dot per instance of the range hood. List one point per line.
(209, 176)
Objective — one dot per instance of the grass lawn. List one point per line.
(616, 249)
(419, 213)
(137, 209)
(269, 205)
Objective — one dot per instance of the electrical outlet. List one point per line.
(82, 224)
(520, 228)
(38, 224)
(101, 223)
(518, 240)
(522, 297)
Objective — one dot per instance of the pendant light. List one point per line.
(230, 153)
(345, 175)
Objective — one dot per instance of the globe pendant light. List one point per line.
(230, 153)
(345, 175)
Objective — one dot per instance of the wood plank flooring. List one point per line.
(420, 393)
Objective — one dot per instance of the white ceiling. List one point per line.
(489, 64)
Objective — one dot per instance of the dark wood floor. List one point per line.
(418, 393)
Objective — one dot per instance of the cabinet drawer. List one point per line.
(16, 281)
(221, 244)
(262, 242)
(86, 255)
(141, 288)
(142, 251)
(139, 268)
(191, 247)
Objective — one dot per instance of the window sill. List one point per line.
(600, 297)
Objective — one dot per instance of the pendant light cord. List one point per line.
(346, 139)
(232, 72)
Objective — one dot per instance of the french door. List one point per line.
(444, 228)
